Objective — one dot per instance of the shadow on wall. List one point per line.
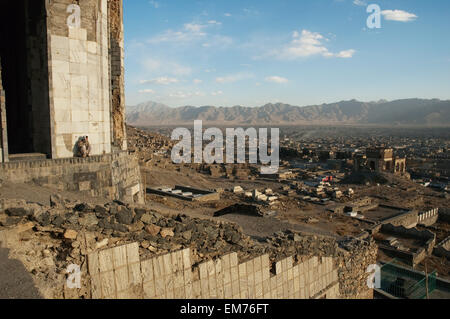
(15, 281)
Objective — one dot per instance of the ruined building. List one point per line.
(381, 160)
(62, 77)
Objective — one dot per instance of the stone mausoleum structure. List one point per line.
(62, 77)
(381, 160)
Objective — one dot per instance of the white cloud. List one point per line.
(161, 81)
(227, 14)
(154, 4)
(276, 79)
(193, 33)
(216, 93)
(309, 44)
(214, 22)
(398, 15)
(233, 78)
(146, 91)
(346, 54)
(360, 3)
(197, 81)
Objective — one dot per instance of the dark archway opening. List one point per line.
(24, 58)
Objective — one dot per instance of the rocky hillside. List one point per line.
(401, 112)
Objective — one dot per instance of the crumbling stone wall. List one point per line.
(173, 276)
(351, 257)
(3, 125)
(119, 273)
(117, 72)
(114, 176)
(408, 219)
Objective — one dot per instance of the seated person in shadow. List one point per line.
(83, 148)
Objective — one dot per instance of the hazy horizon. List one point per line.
(280, 102)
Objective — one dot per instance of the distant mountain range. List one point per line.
(418, 112)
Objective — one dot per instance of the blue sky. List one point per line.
(301, 52)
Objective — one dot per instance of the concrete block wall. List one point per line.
(118, 273)
(79, 78)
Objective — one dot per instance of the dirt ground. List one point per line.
(38, 194)
(15, 281)
(292, 211)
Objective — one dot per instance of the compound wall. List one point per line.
(119, 273)
(114, 176)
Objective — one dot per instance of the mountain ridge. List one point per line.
(420, 112)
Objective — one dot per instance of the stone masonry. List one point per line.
(114, 176)
(79, 78)
(74, 75)
(119, 273)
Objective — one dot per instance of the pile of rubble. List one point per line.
(50, 238)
